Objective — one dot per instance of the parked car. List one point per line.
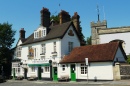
(2, 78)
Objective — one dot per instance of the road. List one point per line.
(42, 83)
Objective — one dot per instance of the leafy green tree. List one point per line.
(88, 41)
(6, 35)
(128, 59)
(55, 18)
(82, 40)
(6, 41)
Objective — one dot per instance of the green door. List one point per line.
(72, 72)
(39, 73)
(55, 78)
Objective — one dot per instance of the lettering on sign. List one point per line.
(40, 61)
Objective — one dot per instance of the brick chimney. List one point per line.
(76, 22)
(64, 16)
(45, 17)
(22, 33)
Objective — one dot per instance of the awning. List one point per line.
(39, 65)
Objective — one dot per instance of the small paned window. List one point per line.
(43, 48)
(47, 69)
(83, 69)
(33, 69)
(18, 50)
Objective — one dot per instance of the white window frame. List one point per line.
(17, 67)
(37, 34)
(54, 46)
(18, 50)
(83, 69)
(43, 48)
(46, 69)
(32, 69)
(44, 32)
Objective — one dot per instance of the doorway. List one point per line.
(55, 78)
(39, 73)
(72, 72)
(25, 73)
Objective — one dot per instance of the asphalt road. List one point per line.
(42, 83)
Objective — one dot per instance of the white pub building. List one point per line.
(39, 54)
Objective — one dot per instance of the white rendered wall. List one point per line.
(100, 70)
(19, 42)
(66, 39)
(63, 73)
(48, 54)
(106, 38)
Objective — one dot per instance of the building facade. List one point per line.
(39, 54)
(101, 34)
(101, 65)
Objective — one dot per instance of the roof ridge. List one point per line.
(61, 24)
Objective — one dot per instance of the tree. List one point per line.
(6, 41)
(55, 18)
(6, 35)
(128, 59)
(81, 36)
(88, 41)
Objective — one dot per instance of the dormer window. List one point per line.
(37, 34)
(40, 33)
(43, 33)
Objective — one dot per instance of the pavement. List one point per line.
(120, 82)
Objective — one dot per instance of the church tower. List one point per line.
(94, 30)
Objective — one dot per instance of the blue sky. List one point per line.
(26, 13)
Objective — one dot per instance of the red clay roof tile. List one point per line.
(94, 53)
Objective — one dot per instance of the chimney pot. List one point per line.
(22, 33)
(45, 17)
(64, 16)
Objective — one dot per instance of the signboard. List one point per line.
(86, 61)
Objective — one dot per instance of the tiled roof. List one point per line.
(94, 53)
(57, 31)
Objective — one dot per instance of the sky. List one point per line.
(26, 13)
